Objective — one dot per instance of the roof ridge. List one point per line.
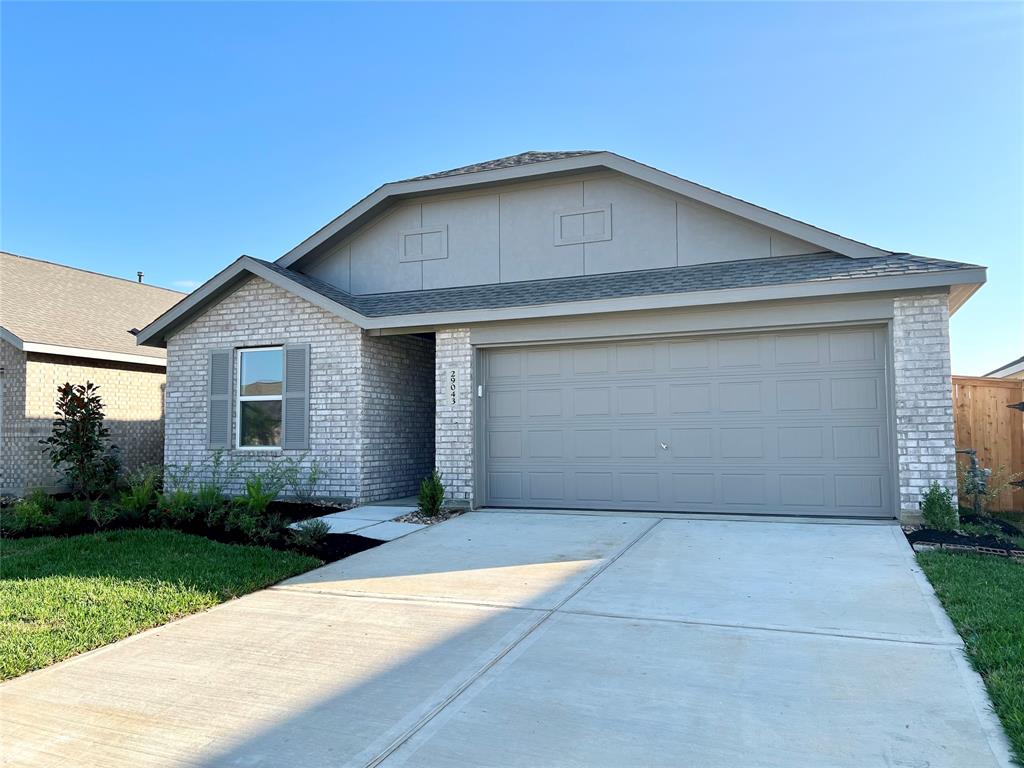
(529, 157)
(90, 272)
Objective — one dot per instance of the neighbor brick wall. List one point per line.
(133, 412)
(398, 415)
(371, 398)
(924, 398)
(454, 423)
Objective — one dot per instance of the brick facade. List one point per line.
(377, 429)
(924, 398)
(370, 403)
(133, 406)
(453, 429)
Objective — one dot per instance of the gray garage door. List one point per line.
(773, 423)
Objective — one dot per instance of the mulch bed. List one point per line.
(339, 545)
(930, 538)
(294, 511)
(419, 517)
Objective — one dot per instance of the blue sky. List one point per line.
(171, 138)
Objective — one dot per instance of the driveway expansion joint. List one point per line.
(547, 614)
(838, 634)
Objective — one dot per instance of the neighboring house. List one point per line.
(60, 324)
(576, 330)
(1012, 370)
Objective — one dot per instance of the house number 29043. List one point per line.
(453, 387)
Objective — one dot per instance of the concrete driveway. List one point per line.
(528, 639)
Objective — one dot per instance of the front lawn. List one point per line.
(62, 596)
(984, 596)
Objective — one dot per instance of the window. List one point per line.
(260, 388)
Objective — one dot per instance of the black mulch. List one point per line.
(987, 541)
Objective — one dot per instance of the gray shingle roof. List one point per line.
(46, 303)
(1007, 365)
(512, 161)
(781, 270)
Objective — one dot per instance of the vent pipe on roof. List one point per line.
(140, 276)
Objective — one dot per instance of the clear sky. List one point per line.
(170, 138)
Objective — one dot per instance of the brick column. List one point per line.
(453, 429)
(924, 398)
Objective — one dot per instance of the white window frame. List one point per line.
(240, 398)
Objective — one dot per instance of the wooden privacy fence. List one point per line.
(984, 422)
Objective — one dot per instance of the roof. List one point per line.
(512, 161)
(536, 165)
(49, 307)
(1012, 367)
(698, 284)
(650, 282)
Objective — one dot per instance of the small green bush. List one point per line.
(211, 505)
(175, 509)
(139, 497)
(431, 498)
(260, 490)
(71, 513)
(255, 525)
(937, 509)
(32, 515)
(302, 483)
(103, 514)
(309, 534)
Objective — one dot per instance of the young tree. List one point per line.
(79, 443)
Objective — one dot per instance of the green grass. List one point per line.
(984, 596)
(62, 596)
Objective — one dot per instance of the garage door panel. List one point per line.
(772, 423)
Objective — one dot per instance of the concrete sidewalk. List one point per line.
(504, 639)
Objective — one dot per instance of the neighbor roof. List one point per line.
(47, 307)
(537, 165)
(717, 282)
(1014, 366)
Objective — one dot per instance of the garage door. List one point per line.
(772, 423)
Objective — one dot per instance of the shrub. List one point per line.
(79, 443)
(255, 525)
(303, 483)
(431, 494)
(261, 489)
(176, 509)
(103, 514)
(211, 504)
(139, 497)
(937, 508)
(309, 534)
(71, 513)
(29, 516)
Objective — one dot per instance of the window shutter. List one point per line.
(295, 408)
(219, 399)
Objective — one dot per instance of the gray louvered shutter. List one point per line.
(218, 430)
(295, 408)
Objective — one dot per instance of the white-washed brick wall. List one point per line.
(132, 398)
(924, 397)
(454, 424)
(398, 415)
(371, 413)
(259, 313)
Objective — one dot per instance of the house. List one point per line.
(1012, 370)
(60, 324)
(576, 330)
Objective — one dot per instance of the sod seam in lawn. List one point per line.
(62, 596)
(984, 596)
